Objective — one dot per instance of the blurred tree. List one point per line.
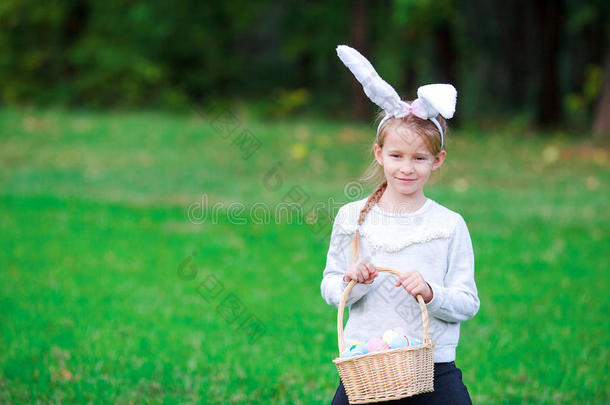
(588, 50)
(358, 36)
(601, 125)
(515, 39)
(549, 23)
(429, 24)
(530, 60)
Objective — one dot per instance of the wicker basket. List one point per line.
(386, 375)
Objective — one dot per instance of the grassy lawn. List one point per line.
(109, 293)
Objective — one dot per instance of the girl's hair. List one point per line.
(409, 123)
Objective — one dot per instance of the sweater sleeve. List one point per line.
(337, 261)
(456, 300)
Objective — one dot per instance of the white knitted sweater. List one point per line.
(433, 240)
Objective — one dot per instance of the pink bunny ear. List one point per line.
(441, 99)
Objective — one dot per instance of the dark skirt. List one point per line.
(448, 389)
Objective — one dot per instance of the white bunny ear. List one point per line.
(441, 97)
(376, 89)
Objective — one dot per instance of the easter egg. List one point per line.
(389, 335)
(411, 341)
(414, 342)
(356, 351)
(375, 344)
(354, 345)
(399, 341)
(346, 353)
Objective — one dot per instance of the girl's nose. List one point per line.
(406, 169)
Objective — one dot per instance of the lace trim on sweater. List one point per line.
(398, 244)
(394, 233)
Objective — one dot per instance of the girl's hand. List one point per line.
(414, 284)
(362, 271)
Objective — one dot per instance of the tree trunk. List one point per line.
(360, 102)
(549, 21)
(515, 20)
(447, 57)
(601, 123)
(447, 54)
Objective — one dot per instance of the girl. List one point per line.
(398, 227)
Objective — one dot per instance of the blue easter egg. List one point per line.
(398, 342)
(414, 342)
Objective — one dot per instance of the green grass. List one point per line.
(95, 228)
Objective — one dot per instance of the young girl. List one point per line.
(398, 227)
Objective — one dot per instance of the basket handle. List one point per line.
(422, 306)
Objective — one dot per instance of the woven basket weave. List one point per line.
(386, 375)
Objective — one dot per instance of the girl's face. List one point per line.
(407, 162)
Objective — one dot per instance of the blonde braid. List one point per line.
(372, 200)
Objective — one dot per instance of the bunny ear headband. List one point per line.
(432, 99)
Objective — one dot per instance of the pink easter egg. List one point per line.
(376, 344)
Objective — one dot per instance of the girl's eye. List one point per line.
(394, 155)
(420, 158)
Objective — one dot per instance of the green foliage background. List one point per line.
(281, 55)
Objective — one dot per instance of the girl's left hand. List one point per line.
(414, 284)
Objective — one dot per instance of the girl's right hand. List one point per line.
(362, 271)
